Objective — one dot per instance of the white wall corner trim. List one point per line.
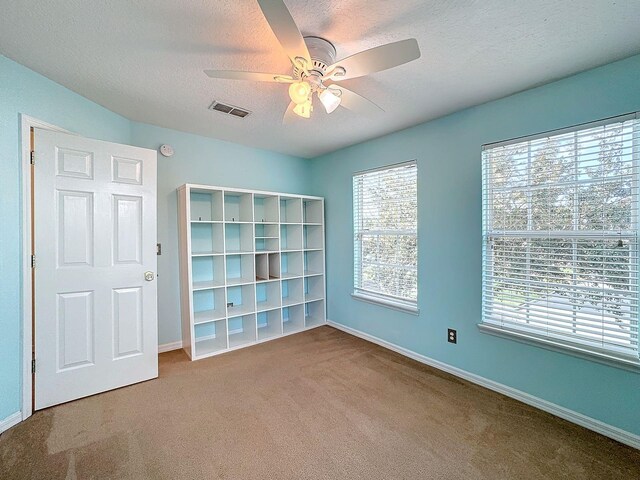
(622, 436)
(10, 421)
(168, 347)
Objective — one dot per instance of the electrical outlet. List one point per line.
(452, 335)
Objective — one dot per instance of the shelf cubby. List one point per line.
(242, 330)
(210, 337)
(268, 295)
(267, 237)
(312, 212)
(207, 272)
(238, 207)
(313, 263)
(208, 305)
(251, 266)
(205, 206)
(266, 209)
(239, 269)
(269, 324)
(290, 264)
(241, 299)
(206, 239)
(274, 265)
(313, 288)
(290, 237)
(262, 267)
(238, 237)
(312, 237)
(292, 318)
(292, 291)
(290, 210)
(314, 313)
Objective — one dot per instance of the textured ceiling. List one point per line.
(144, 59)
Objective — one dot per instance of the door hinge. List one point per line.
(33, 261)
(33, 366)
(33, 157)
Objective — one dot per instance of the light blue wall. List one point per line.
(211, 162)
(24, 91)
(449, 224)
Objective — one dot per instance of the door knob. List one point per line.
(149, 276)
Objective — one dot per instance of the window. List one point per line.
(385, 227)
(560, 238)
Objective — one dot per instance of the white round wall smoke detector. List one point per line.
(166, 150)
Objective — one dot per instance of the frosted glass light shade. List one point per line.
(329, 100)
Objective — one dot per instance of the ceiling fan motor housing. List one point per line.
(322, 53)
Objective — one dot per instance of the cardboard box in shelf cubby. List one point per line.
(292, 291)
(291, 264)
(292, 318)
(205, 206)
(241, 300)
(269, 324)
(313, 313)
(312, 212)
(313, 263)
(290, 210)
(206, 238)
(207, 272)
(238, 237)
(239, 269)
(210, 337)
(242, 330)
(313, 288)
(312, 237)
(266, 209)
(290, 237)
(209, 305)
(268, 295)
(238, 207)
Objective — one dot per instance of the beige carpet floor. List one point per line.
(317, 405)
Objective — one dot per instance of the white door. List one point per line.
(95, 264)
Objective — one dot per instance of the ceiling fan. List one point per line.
(315, 69)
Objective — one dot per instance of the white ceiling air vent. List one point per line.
(229, 109)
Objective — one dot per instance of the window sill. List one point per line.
(413, 310)
(562, 347)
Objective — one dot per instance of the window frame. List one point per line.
(388, 301)
(559, 343)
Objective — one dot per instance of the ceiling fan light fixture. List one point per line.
(304, 109)
(330, 100)
(299, 92)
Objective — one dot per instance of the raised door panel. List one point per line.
(75, 228)
(127, 322)
(127, 229)
(74, 163)
(75, 342)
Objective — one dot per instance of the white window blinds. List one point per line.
(560, 228)
(385, 224)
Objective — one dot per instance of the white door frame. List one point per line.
(27, 123)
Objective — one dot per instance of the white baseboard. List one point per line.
(10, 421)
(605, 429)
(168, 347)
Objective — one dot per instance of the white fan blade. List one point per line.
(376, 59)
(289, 116)
(285, 30)
(356, 103)
(256, 77)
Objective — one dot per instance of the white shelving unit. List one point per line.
(252, 266)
